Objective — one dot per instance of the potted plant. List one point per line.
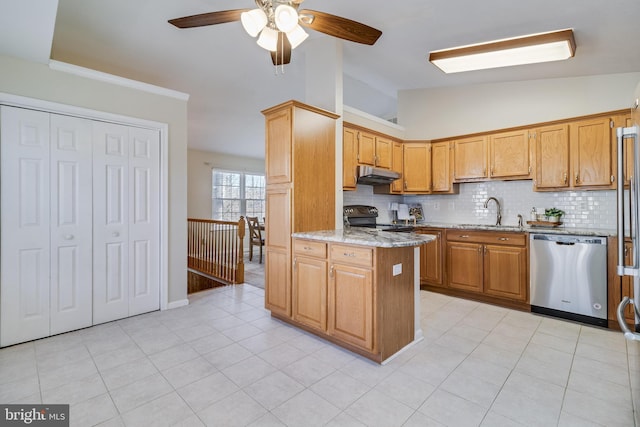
(553, 214)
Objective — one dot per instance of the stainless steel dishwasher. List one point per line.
(569, 277)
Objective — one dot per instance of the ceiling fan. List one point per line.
(279, 25)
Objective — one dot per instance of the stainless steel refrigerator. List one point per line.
(629, 217)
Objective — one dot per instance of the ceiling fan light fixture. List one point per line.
(297, 36)
(286, 18)
(268, 39)
(535, 48)
(253, 21)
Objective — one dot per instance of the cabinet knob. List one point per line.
(503, 239)
(566, 178)
(115, 234)
(577, 178)
(331, 271)
(68, 237)
(464, 236)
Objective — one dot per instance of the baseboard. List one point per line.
(177, 304)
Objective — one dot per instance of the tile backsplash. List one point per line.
(583, 209)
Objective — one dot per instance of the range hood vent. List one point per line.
(370, 175)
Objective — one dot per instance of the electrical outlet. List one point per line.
(436, 206)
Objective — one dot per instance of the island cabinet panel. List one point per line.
(509, 155)
(351, 302)
(470, 158)
(310, 291)
(552, 157)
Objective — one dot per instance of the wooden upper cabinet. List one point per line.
(592, 153)
(470, 158)
(278, 147)
(349, 158)
(384, 152)
(441, 179)
(366, 148)
(552, 157)
(417, 162)
(397, 165)
(509, 155)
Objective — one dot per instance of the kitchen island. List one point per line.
(358, 288)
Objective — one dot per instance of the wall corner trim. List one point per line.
(116, 80)
(177, 304)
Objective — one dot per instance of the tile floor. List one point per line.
(222, 361)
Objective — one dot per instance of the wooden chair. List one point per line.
(255, 236)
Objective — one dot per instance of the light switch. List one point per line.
(397, 269)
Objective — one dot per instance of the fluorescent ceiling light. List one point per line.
(543, 47)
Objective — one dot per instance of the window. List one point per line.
(237, 194)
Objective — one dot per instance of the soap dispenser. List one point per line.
(534, 214)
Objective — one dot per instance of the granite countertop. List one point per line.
(527, 229)
(367, 237)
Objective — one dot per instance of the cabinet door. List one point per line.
(417, 168)
(384, 148)
(25, 262)
(279, 134)
(465, 264)
(310, 292)
(366, 148)
(509, 155)
(470, 158)
(552, 157)
(278, 250)
(350, 305)
(397, 166)
(591, 153)
(505, 272)
(441, 167)
(431, 259)
(349, 158)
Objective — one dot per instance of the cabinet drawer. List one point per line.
(489, 237)
(310, 248)
(354, 255)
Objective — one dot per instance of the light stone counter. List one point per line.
(525, 229)
(367, 237)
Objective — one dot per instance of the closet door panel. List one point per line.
(144, 224)
(71, 223)
(110, 222)
(25, 248)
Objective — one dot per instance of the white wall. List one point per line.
(38, 81)
(451, 111)
(200, 164)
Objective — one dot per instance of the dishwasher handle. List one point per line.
(566, 243)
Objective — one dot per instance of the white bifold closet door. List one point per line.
(46, 224)
(126, 194)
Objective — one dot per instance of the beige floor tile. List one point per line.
(188, 372)
(127, 373)
(418, 419)
(173, 356)
(308, 370)
(238, 409)
(92, 411)
(598, 410)
(378, 409)
(599, 388)
(208, 390)
(227, 356)
(340, 389)
(19, 389)
(452, 410)
(76, 391)
(66, 374)
(210, 343)
(112, 358)
(168, 410)
(344, 420)
(471, 388)
(570, 420)
(267, 420)
(405, 389)
(306, 409)
(140, 392)
(248, 371)
(274, 389)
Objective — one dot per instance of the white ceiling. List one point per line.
(230, 79)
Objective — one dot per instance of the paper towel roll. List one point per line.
(403, 211)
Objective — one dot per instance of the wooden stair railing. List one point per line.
(215, 248)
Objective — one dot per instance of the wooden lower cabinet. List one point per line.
(493, 266)
(278, 293)
(351, 305)
(350, 295)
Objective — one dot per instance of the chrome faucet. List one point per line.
(498, 213)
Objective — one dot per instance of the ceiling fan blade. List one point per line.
(341, 27)
(211, 18)
(282, 55)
